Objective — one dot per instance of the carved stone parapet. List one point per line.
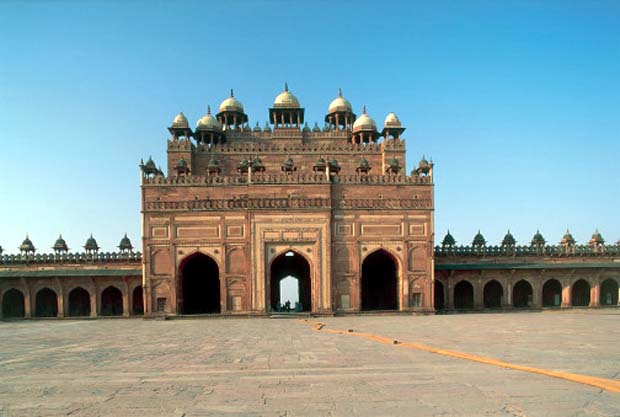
(52, 258)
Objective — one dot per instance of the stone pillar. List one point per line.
(595, 291)
(478, 294)
(449, 300)
(61, 299)
(28, 312)
(566, 293)
(508, 291)
(125, 298)
(537, 292)
(93, 302)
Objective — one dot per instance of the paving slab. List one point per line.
(263, 367)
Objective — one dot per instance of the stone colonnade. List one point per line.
(71, 297)
(457, 290)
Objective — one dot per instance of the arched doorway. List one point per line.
(46, 303)
(137, 301)
(13, 304)
(580, 294)
(522, 294)
(111, 302)
(290, 281)
(552, 293)
(439, 296)
(79, 302)
(609, 293)
(493, 294)
(463, 295)
(379, 282)
(199, 285)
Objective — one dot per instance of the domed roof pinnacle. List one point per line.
(339, 92)
(364, 109)
(509, 239)
(208, 109)
(232, 93)
(538, 239)
(448, 240)
(285, 86)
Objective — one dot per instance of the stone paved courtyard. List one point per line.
(280, 367)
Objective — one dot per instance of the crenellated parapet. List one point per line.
(70, 258)
(537, 247)
(522, 251)
(316, 178)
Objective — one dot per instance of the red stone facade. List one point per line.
(331, 198)
(242, 208)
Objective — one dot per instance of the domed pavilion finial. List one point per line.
(180, 127)
(27, 247)
(60, 246)
(392, 128)
(125, 245)
(479, 240)
(364, 129)
(231, 114)
(448, 240)
(597, 239)
(286, 111)
(208, 109)
(538, 240)
(340, 114)
(509, 240)
(91, 246)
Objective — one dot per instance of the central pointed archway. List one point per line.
(379, 282)
(199, 285)
(287, 265)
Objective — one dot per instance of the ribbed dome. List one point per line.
(231, 104)
(180, 121)
(340, 104)
(208, 122)
(364, 122)
(392, 121)
(286, 99)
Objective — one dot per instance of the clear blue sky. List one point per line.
(517, 102)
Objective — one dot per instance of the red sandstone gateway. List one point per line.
(243, 209)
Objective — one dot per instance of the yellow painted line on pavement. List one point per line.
(610, 385)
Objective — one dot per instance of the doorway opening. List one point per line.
(46, 303)
(379, 282)
(493, 294)
(522, 294)
(552, 293)
(79, 302)
(290, 283)
(199, 282)
(580, 294)
(13, 304)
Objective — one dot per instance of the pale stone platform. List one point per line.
(263, 367)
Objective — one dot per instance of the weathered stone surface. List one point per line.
(239, 367)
